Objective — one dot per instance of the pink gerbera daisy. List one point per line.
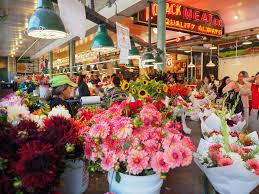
(187, 156)
(158, 163)
(137, 162)
(122, 126)
(108, 161)
(100, 129)
(173, 156)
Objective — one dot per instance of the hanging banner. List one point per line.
(124, 54)
(71, 11)
(185, 19)
(123, 36)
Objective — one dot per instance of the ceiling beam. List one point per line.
(97, 18)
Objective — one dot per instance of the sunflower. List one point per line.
(158, 90)
(165, 88)
(142, 93)
(125, 85)
(145, 82)
(133, 91)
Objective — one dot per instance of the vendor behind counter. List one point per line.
(62, 90)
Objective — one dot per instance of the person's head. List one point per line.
(257, 78)
(81, 79)
(242, 75)
(212, 77)
(116, 81)
(105, 79)
(206, 79)
(226, 80)
(62, 86)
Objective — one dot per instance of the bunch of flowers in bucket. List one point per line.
(32, 157)
(137, 138)
(229, 159)
(145, 87)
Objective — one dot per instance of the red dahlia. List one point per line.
(37, 164)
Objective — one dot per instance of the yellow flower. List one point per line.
(145, 82)
(153, 81)
(165, 88)
(133, 91)
(158, 90)
(125, 85)
(142, 93)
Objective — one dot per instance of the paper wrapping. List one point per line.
(91, 100)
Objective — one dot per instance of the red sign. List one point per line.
(186, 19)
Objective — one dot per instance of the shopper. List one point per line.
(225, 81)
(115, 94)
(62, 89)
(232, 92)
(212, 83)
(27, 85)
(254, 114)
(82, 86)
(206, 84)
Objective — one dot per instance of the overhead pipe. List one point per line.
(29, 48)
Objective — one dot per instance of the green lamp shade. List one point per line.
(45, 23)
(130, 65)
(133, 52)
(102, 41)
(158, 59)
(115, 65)
(148, 57)
(104, 67)
(95, 68)
(149, 64)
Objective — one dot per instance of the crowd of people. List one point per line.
(245, 88)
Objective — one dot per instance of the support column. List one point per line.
(161, 32)
(11, 68)
(71, 55)
(50, 63)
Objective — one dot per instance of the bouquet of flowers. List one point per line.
(136, 138)
(44, 80)
(145, 87)
(177, 90)
(33, 156)
(230, 160)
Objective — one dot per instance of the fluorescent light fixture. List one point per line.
(213, 47)
(247, 42)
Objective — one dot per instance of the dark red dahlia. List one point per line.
(25, 131)
(37, 164)
(59, 131)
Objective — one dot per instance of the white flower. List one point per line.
(235, 157)
(59, 111)
(17, 113)
(38, 119)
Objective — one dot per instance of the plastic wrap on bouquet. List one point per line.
(181, 112)
(233, 179)
(212, 123)
(239, 126)
(91, 100)
(44, 91)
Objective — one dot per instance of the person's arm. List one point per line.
(228, 87)
(246, 89)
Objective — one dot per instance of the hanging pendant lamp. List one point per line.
(148, 57)
(45, 23)
(102, 41)
(133, 52)
(115, 65)
(191, 63)
(104, 67)
(210, 64)
(130, 65)
(158, 59)
(95, 68)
